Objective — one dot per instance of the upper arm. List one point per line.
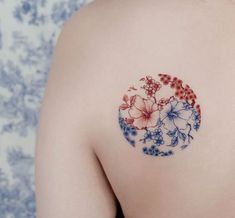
(69, 179)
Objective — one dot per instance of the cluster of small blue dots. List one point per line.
(196, 119)
(155, 136)
(187, 106)
(196, 115)
(154, 151)
(127, 130)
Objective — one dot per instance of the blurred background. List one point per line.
(29, 30)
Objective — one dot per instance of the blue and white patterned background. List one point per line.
(29, 30)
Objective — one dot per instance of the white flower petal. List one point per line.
(139, 103)
(148, 105)
(179, 106)
(180, 123)
(134, 112)
(169, 124)
(174, 103)
(185, 114)
(164, 111)
(140, 123)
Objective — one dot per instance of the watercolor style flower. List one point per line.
(144, 112)
(175, 115)
(163, 121)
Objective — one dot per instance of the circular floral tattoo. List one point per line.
(160, 115)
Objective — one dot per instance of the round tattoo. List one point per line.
(161, 115)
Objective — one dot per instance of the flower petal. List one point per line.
(180, 123)
(124, 106)
(152, 121)
(132, 100)
(185, 114)
(148, 105)
(173, 103)
(179, 106)
(164, 111)
(155, 107)
(169, 124)
(140, 123)
(139, 103)
(135, 112)
(125, 98)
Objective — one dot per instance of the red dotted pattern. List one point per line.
(151, 86)
(182, 92)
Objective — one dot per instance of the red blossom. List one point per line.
(182, 92)
(144, 112)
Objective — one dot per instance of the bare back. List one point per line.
(189, 40)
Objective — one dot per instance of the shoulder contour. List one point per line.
(73, 73)
(89, 18)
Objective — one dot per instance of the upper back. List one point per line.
(193, 41)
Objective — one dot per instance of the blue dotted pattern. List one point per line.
(128, 130)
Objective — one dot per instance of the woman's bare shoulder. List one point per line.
(77, 182)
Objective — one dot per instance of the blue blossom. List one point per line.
(156, 133)
(152, 135)
(147, 136)
(174, 115)
(158, 141)
(156, 136)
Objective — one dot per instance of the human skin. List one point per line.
(83, 162)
